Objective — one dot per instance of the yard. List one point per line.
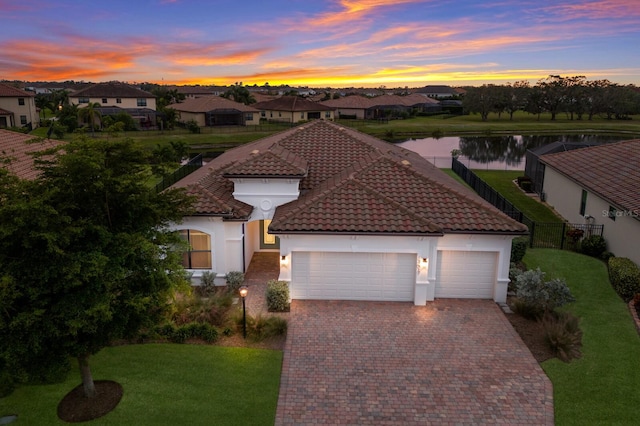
(502, 181)
(602, 386)
(169, 384)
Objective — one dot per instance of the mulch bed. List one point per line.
(75, 407)
(532, 334)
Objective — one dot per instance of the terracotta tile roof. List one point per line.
(211, 103)
(13, 92)
(291, 103)
(277, 162)
(17, 147)
(111, 89)
(354, 183)
(612, 171)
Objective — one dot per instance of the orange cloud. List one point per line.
(598, 9)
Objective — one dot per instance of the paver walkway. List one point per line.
(450, 362)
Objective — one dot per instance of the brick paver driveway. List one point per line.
(451, 362)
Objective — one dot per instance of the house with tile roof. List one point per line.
(113, 94)
(16, 151)
(351, 216)
(216, 111)
(115, 97)
(293, 109)
(371, 108)
(599, 184)
(17, 108)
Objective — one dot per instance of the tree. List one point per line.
(43, 102)
(482, 100)
(239, 93)
(86, 253)
(91, 114)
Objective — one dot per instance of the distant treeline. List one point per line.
(575, 96)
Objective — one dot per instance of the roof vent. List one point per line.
(255, 151)
(406, 162)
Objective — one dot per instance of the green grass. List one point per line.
(169, 384)
(502, 181)
(523, 123)
(602, 387)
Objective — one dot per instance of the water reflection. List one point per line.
(494, 152)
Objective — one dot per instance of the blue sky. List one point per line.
(335, 43)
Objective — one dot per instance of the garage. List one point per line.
(466, 274)
(353, 276)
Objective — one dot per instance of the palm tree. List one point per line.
(239, 93)
(91, 114)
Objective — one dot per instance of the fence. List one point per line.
(560, 235)
(194, 164)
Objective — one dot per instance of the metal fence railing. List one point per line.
(194, 164)
(561, 235)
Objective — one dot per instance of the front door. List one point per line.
(267, 240)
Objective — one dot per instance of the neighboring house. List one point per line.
(361, 107)
(293, 109)
(534, 169)
(17, 108)
(17, 148)
(351, 216)
(113, 94)
(439, 92)
(115, 97)
(193, 92)
(216, 111)
(599, 184)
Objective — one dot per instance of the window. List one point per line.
(23, 120)
(104, 100)
(142, 102)
(263, 114)
(83, 100)
(199, 254)
(302, 115)
(118, 100)
(20, 101)
(583, 203)
(327, 114)
(248, 116)
(612, 213)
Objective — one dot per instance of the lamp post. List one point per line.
(243, 293)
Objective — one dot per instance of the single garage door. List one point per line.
(353, 276)
(466, 274)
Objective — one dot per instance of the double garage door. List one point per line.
(388, 276)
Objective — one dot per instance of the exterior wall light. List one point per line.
(284, 260)
(424, 263)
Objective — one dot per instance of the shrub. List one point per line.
(261, 327)
(207, 282)
(563, 335)
(593, 246)
(519, 248)
(542, 295)
(234, 281)
(514, 272)
(624, 275)
(277, 296)
(606, 256)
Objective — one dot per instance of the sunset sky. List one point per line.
(362, 43)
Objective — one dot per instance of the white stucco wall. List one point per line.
(622, 235)
(12, 104)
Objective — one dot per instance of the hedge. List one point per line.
(624, 275)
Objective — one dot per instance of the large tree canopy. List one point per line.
(86, 254)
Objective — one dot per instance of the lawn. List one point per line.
(502, 181)
(169, 384)
(602, 387)
(523, 123)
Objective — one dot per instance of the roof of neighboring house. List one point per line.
(291, 103)
(444, 90)
(211, 103)
(17, 148)
(363, 102)
(611, 171)
(559, 146)
(112, 89)
(13, 92)
(351, 183)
